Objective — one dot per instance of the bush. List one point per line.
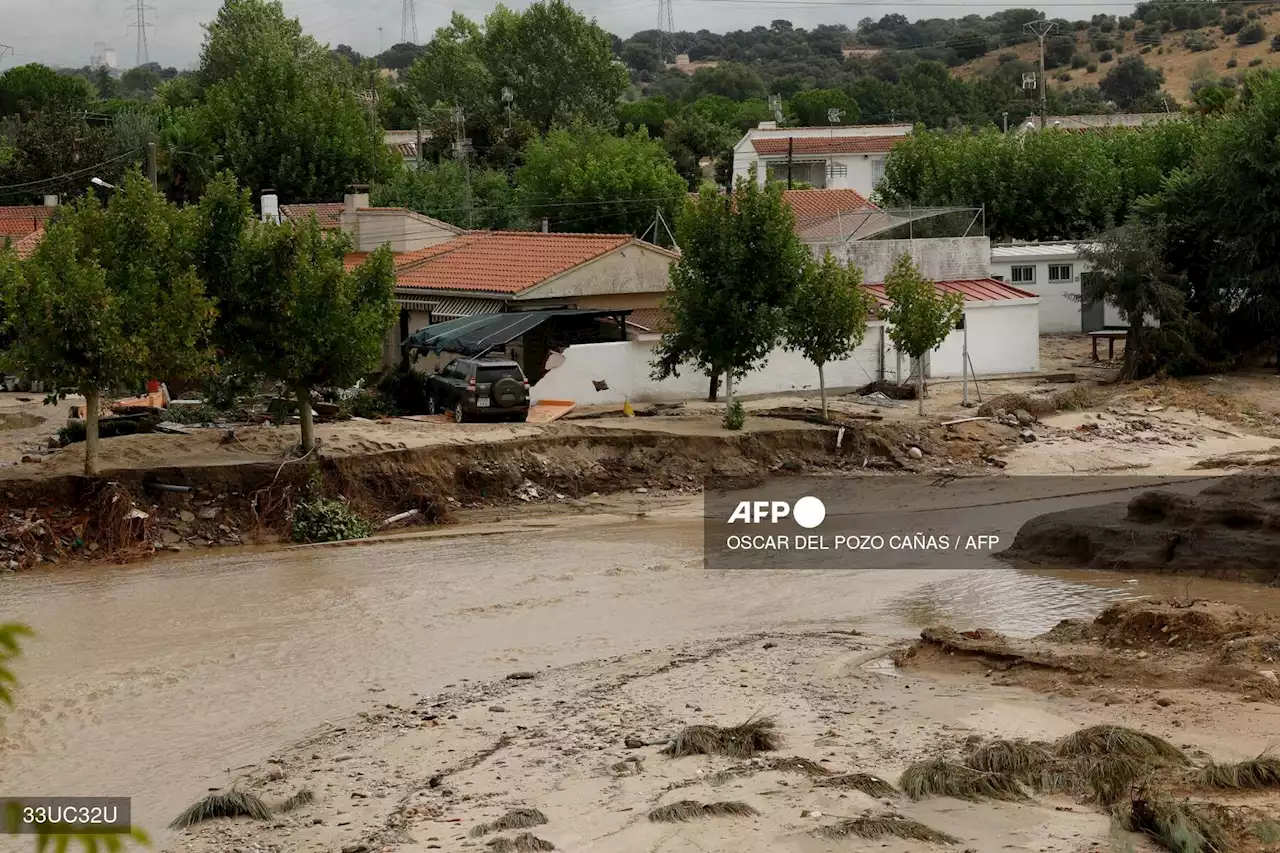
(201, 414)
(316, 518)
(1160, 51)
(1092, 68)
(406, 391)
(1006, 57)
(1256, 61)
(1197, 41)
(1275, 42)
(735, 416)
(1064, 77)
(1079, 61)
(74, 432)
(1150, 35)
(1105, 56)
(1233, 24)
(1252, 33)
(1102, 42)
(1126, 24)
(371, 404)
(1231, 63)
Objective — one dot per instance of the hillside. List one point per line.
(1180, 64)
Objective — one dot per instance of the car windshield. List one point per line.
(493, 374)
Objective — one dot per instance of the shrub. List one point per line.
(1231, 63)
(735, 416)
(73, 432)
(1160, 51)
(1105, 56)
(1064, 77)
(316, 518)
(1126, 23)
(1102, 42)
(1233, 24)
(1150, 35)
(1079, 60)
(366, 403)
(201, 414)
(1197, 41)
(1252, 33)
(1006, 57)
(1275, 42)
(406, 391)
(1252, 15)
(1092, 68)
(1256, 61)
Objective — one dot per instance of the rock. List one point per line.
(770, 645)
(53, 442)
(642, 491)
(1027, 435)
(497, 709)
(632, 742)
(359, 795)
(275, 773)
(1024, 417)
(999, 414)
(1269, 674)
(520, 676)
(1142, 655)
(356, 848)
(33, 459)
(810, 813)
(170, 537)
(915, 452)
(1163, 702)
(187, 516)
(434, 781)
(346, 756)
(208, 513)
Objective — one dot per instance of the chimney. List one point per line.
(51, 201)
(270, 207)
(357, 198)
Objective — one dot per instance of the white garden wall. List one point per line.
(1003, 338)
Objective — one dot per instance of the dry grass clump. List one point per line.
(1020, 758)
(1119, 740)
(514, 819)
(741, 741)
(686, 810)
(939, 777)
(1181, 827)
(525, 842)
(302, 798)
(886, 826)
(872, 786)
(1254, 774)
(231, 804)
(1105, 780)
(797, 764)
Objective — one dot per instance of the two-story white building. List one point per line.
(1053, 271)
(822, 157)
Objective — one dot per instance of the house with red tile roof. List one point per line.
(20, 222)
(850, 157)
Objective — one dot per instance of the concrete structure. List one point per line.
(1002, 338)
(824, 157)
(939, 258)
(1099, 122)
(1053, 271)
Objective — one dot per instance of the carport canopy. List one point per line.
(477, 335)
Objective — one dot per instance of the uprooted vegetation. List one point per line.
(524, 818)
(686, 810)
(885, 826)
(1167, 643)
(758, 734)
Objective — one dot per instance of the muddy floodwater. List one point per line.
(153, 680)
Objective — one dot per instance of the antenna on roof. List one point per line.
(775, 107)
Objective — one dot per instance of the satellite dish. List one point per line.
(775, 103)
(834, 115)
(507, 95)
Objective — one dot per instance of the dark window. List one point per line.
(490, 375)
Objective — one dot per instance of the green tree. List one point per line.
(444, 191)
(451, 70)
(649, 113)
(1129, 80)
(34, 88)
(291, 312)
(586, 179)
(827, 316)
(690, 137)
(283, 111)
(140, 82)
(739, 266)
(919, 316)
(730, 80)
(1129, 270)
(109, 299)
(812, 108)
(558, 64)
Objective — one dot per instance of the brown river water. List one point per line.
(152, 680)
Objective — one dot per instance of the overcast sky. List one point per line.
(63, 32)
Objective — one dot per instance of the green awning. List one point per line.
(477, 335)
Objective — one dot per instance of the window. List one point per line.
(877, 171)
(1022, 275)
(1059, 272)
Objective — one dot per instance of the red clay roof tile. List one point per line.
(21, 220)
(329, 214)
(973, 290)
(778, 145)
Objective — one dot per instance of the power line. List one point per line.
(666, 31)
(140, 24)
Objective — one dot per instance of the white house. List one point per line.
(823, 157)
(1053, 272)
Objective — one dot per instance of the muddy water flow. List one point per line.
(152, 680)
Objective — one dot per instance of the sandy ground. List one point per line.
(421, 776)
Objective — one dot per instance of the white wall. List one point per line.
(939, 258)
(1003, 338)
(1058, 312)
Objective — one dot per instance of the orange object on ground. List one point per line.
(545, 411)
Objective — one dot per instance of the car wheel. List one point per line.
(457, 413)
(432, 408)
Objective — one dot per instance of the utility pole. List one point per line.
(461, 148)
(1004, 117)
(791, 143)
(140, 24)
(408, 22)
(1041, 29)
(417, 152)
(151, 165)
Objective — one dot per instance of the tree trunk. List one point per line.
(728, 389)
(1129, 368)
(822, 391)
(920, 387)
(92, 400)
(304, 415)
(714, 390)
